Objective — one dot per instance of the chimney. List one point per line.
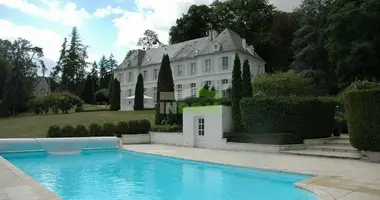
(244, 43)
(214, 34)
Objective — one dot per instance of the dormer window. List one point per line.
(149, 60)
(129, 63)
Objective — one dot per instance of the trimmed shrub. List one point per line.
(166, 128)
(272, 138)
(288, 83)
(95, 129)
(144, 126)
(102, 95)
(305, 117)
(139, 94)
(122, 128)
(79, 109)
(81, 131)
(54, 131)
(67, 131)
(363, 114)
(109, 129)
(133, 126)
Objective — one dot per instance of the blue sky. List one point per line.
(107, 26)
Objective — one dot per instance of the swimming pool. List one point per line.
(124, 175)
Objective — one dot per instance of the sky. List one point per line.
(107, 26)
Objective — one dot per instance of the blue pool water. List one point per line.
(124, 175)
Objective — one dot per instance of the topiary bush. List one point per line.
(67, 131)
(288, 83)
(307, 118)
(54, 131)
(109, 129)
(122, 128)
(166, 128)
(144, 126)
(81, 131)
(363, 114)
(95, 129)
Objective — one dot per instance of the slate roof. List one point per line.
(226, 40)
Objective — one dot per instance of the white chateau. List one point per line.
(194, 63)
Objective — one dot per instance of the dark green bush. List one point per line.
(288, 83)
(67, 131)
(102, 95)
(305, 117)
(144, 126)
(79, 109)
(95, 129)
(109, 129)
(363, 114)
(81, 131)
(272, 138)
(122, 128)
(54, 131)
(133, 126)
(166, 128)
(340, 126)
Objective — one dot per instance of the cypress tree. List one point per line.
(110, 88)
(236, 95)
(247, 84)
(165, 84)
(115, 102)
(139, 94)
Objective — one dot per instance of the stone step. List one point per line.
(332, 148)
(329, 154)
(331, 140)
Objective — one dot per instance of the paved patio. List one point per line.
(336, 178)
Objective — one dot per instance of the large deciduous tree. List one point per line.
(194, 24)
(139, 94)
(5, 70)
(353, 42)
(149, 40)
(236, 95)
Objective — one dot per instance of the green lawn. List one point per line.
(30, 126)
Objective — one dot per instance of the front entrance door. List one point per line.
(199, 131)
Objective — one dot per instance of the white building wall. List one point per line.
(215, 76)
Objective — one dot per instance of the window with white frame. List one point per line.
(154, 94)
(192, 69)
(208, 83)
(224, 63)
(207, 65)
(129, 76)
(193, 89)
(201, 126)
(129, 92)
(179, 70)
(224, 81)
(145, 75)
(179, 92)
(155, 74)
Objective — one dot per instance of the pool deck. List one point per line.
(335, 179)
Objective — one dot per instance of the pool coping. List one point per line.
(305, 184)
(26, 182)
(46, 194)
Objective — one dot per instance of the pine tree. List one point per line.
(139, 94)
(247, 84)
(91, 85)
(165, 84)
(236, 95)
(15, 90)
(58, 67)
(104, 79)
(73, 65)
(115, 104)
(110, 88)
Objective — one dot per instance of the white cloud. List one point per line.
(49, 40)
(103, 12)
(65, 13)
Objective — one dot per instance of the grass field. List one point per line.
(29, 126)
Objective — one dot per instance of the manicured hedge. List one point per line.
(166, 128)
(363, 118)
(305, 117)
(272, 138)
(106, 129)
